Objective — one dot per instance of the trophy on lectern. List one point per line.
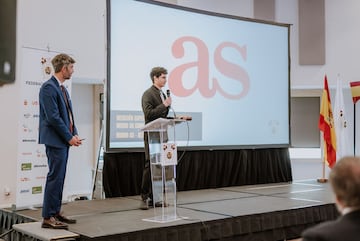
(163, 161)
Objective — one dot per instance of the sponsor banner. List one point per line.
(32, 165)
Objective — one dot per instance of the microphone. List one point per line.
(168, 95)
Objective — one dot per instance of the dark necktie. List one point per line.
(162, 96)
(71, 127)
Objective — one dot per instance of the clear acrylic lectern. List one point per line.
(163, 161)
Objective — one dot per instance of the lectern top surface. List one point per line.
(161, 124)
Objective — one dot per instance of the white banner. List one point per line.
(32, 166)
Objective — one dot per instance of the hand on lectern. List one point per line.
(185, 117)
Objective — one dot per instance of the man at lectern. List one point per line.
(155, 104)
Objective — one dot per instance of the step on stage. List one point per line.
(278, 211)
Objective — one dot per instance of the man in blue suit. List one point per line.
(58, 132)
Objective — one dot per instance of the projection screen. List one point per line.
(230, 74)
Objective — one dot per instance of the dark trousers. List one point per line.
(57, 161)
(146, 184)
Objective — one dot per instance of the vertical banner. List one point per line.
(32, 165)
(32, 162)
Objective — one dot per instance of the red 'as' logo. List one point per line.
(208, 86)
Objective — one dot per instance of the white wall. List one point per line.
(78, 27)
(74, 27)
(342, 39)
(242, 8)
(81, 159)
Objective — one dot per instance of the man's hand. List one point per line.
(75, 141)
(167, 101)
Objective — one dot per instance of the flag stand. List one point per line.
(323, 179)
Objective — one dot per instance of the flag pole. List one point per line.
(355, 92)
(322, 179)
(354, 129)
(326, 126)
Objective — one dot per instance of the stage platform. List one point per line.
(278, 211)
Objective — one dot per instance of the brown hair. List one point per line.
(60, 60)
(345, 181)
(156, 72)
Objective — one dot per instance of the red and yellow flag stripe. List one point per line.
(326, 125)
(355, 91)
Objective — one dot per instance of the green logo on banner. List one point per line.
(37, 190)
(26, 166)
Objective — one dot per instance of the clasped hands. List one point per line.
(75, 141)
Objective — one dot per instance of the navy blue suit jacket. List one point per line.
(54, 121)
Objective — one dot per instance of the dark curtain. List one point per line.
(122, 172)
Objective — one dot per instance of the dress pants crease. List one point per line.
(57, 161)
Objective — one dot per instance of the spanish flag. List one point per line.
(355, 91)
(326, 125)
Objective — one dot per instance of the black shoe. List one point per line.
(160, 204)
(145, 204)
(64, 219)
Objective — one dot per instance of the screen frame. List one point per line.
(107, 110)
